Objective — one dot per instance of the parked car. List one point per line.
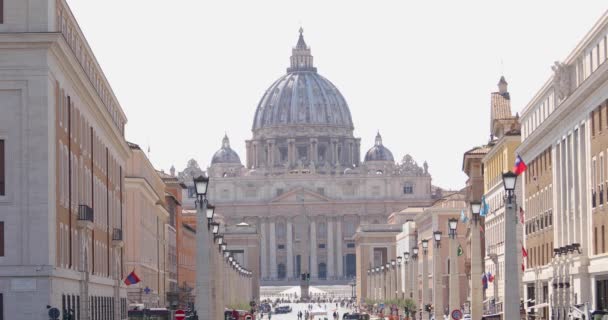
(282, 309)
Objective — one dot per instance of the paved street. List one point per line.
(302, 306)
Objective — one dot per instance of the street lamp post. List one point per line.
(204, 216)
(425, 276)
(511, 274)
(476, 267)
(399, 282)
(408, 287)
(454, 302)
(415, 292)
(393, 286)
(437, 277)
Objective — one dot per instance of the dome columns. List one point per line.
(313, 151)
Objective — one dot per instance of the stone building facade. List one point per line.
(564, 141)
(63, 165)
(303, 185)
(147, 222)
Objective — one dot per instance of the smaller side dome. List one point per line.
(379, 152)
(226, 154)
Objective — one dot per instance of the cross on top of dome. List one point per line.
(301, 59)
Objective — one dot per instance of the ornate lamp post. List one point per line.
(476, 263)
(399, 282)
(393, 286)
(407, 289)
(415, 273)
(511, 274)
(454, 301)
(425, 275)
(203, 303)
(437, 276)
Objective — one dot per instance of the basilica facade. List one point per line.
(303, 185)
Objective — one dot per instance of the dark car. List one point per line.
(355, 316)
(282, 309)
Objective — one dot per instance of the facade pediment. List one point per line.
(300, 195)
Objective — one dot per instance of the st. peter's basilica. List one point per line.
(303, 186)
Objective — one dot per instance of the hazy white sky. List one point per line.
(421, 72)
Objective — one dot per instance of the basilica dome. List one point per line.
(379, 152)
(302, 97)
(225, 154)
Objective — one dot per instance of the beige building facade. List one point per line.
(63, 165)
(146, 232)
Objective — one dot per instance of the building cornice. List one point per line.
(573, 110)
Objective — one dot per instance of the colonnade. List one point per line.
(331, 251)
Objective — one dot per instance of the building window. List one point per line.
(279, 191)
(1, 238)
(322, 246)
(1, 21)
(408, 188)
(281, 246)
(2, 165)
(350, 245)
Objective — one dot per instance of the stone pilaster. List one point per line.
(290, 249)
(339, 244)
(263, 249)
(273, 250)
(330, 248)
(313, 249)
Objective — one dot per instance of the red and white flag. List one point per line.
(520, 166)
(524, 253)
(521, 215)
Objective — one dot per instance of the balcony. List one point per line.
(85, 217)
(117, 238)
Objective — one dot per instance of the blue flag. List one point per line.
(485, 207)
(463, 217)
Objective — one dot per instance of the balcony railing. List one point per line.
(85, 213)
(117, 234)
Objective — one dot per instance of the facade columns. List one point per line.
(290, 250)
(291, 152)
(263, 249)
(314, 151)
(273, 251)
(330, 248)
(339, 244)
(398, 288)
(313, 249)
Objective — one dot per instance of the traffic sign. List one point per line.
(456, 314)
(180, 315)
